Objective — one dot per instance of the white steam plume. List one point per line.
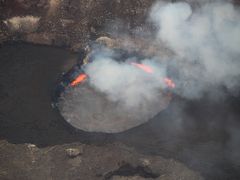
(125, 83)
(206, 42)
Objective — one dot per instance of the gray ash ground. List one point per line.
(201, 140)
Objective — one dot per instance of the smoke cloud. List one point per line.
(206, 43)
(126, 83)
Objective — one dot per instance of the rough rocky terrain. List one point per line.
(70, 23)
(109, 162)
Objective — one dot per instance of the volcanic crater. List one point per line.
(183, 139)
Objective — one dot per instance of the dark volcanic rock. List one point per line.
(114, 161)
(74, 152)
(71, 23)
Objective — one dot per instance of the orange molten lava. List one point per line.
(78, 80)
(143, 67)
(169, 82)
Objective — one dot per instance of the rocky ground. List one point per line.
(69, 23)
(80, 161)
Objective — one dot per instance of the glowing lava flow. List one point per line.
(78, 80)
(169, 82)
(143, 67)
